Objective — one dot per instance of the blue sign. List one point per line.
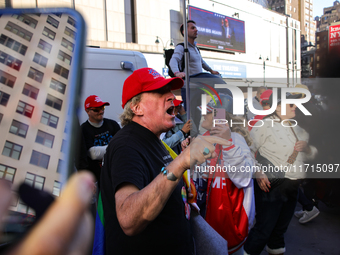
(227, 69)
(165, 71)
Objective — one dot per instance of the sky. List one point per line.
(319, 5)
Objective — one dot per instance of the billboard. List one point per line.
(334, 38)
(217, 31)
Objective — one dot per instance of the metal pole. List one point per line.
(186, 58)
(287, 49)
(264, 73)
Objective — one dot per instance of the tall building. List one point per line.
(301, 10)
(330, 15)
(35, 59)
(264, 3)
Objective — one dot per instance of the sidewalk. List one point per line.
(319, 236)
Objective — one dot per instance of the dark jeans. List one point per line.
(307, 204)
(274, 210)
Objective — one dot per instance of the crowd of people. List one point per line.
(152, 175)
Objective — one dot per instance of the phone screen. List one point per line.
(41, 53)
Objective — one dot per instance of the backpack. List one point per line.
(168, 55)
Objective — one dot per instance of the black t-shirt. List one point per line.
(93, 136)
(136, 155)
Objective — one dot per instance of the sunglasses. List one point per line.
(98, 109)
(291, 105)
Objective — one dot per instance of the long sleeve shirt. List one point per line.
(196, 62)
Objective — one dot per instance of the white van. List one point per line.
(105, 71)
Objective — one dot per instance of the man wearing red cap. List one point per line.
(97, 132)
(143, 194)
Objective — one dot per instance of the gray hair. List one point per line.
(127, 115)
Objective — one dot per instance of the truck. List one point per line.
(105, 71)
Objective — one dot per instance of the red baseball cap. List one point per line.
(94, 101)
(265, 95)
(177, 102)
(146, 79)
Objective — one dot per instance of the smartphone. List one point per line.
(41, 57)
(219, 116)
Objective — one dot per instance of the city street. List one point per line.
(319, 236)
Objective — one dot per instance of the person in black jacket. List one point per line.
(97, 132)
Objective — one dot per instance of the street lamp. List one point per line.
(164, 47)
(264, 70)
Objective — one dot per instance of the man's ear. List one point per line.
(137, 109)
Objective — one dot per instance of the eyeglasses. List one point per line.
(291, 105)
(97, 109)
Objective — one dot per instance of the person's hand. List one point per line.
(214, 72)
(187, 126)
(66, 227)
(302, 146)
(222, 131)
(262, 181)
(180, 75)
(185, 143)
(193, 154)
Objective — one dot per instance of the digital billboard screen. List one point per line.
(218, 31)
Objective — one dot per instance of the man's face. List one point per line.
(192, 31)
(226, 22)
(96, 114)
(158, 110)
(259, 93)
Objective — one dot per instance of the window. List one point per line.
(25, 109)
(7, 79)
(19, 31)
(35, 74)
(56, 188)
(12, 150)
(49, 119)
(40, 159)
(26, 19)
(49, 33)
(12, 44)
(30, 91)
(10, 61)
(61, 165)
(7, 172)
(58, 69)
(318, 46)
(290, 8)
(44, 46)
(1, 115)
(67, 44)
(64, 57)
(53, 22)
(58, 86)
(39, 59)
(18, 128)
(54, 102)
(71, 21)
(294, 9)
(63, 146)
(4, 97)
(70, 32)
(45, 139)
